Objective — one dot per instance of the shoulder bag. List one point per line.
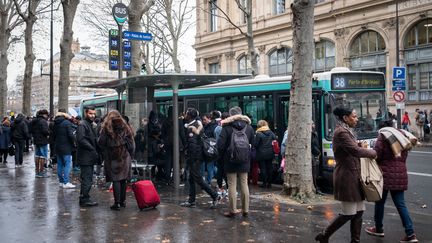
(371, 179)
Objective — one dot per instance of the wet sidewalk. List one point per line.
(37, 210)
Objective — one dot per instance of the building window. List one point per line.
(280, 63)
(420, 34)
(278, 6)
(243, 65)
(214, 68)
(243, 15)
(324, 56)
(213, 15)
(418, 57)
(367, 52)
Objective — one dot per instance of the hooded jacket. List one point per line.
(194, 145)
(63, 134)
(224, 141)
(19, 129)
(263, 144)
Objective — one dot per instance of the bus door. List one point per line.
(201, 104)
(281, 121)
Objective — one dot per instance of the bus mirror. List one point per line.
(328, 109)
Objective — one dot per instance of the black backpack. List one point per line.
(209, 148)
(239, 150)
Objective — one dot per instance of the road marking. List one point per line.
(419, 174)
(421, 152)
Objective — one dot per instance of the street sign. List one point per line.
(396, 88)
(400, 105)
(114, 52)
(127, 56)
(399, 73)
(141, 36)
(399, 96)
(120, 13)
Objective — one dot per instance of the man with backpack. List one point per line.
(234, 145)
(420, 119)
(194, 156)
(210, 150)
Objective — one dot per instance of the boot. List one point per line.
(37, 172)
(355, 227)
(338, 222)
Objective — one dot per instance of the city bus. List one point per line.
(267, 98)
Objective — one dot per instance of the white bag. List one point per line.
(372, 180)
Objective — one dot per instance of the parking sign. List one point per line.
(399, 72)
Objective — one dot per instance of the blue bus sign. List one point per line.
(399, 72)
(141, 36)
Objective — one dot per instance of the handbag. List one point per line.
(11, 150)
(371, 179)
(275, 145)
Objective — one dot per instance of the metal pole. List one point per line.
(120, 66)
(398, 111)
(176, 152)
(51, 84)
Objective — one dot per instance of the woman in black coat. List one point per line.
(264, 151)
(117, 143)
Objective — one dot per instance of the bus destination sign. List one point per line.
(344, 81)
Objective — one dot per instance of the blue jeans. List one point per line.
(399, 202)
(42, 151)
(64, 164)
(210, 166)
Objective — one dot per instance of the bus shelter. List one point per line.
(141, 90)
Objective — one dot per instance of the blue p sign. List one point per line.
(399, 72)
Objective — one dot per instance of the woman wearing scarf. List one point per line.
(264, 151)
(392, 148)
(346, 176)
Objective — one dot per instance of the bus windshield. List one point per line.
(370, 108)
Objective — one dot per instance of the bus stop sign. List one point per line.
(399, 73)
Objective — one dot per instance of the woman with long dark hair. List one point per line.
(346, 176)
(117, 143)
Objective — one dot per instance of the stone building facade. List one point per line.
(86, 68)
(357, 34)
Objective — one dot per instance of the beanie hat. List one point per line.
(235, 111)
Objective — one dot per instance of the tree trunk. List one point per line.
(252, 55)
(66, 55)
(4, 62)
(174, 53)
(136, 10)
(298, 177)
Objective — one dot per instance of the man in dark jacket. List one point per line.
(208, 165)
(87, 154)
(194, 156)
(316, 152)
(40, 132)
(20, 134)
(64, 138)
(237, 122)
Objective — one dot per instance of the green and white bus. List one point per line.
(268, 98)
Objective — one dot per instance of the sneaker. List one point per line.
(215, 202)
(43, 175)
(38, 175)
(69, 186)
(411, 238)
(374, 231)
(188, 204)
(61, 184)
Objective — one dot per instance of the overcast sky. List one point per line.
(85, 36)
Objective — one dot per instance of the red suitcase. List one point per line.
(146, 194)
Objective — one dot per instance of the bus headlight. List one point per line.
(331, 162)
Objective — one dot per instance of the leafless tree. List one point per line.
(245, 6)
(66, 54)
(29, 16)
(9, 20)
(298, 175)
(172, 19)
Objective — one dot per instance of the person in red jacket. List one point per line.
(406, 122)
(395, 181)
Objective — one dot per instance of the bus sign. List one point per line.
(354, 80)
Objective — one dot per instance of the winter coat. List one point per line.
(117, 155)
(224, 141)
(263, 144)
(346, 176)
(40, 131)
(19, 129)
(315, 148)
(87, 149)
(63, 135)
(394, 169)
(5, 137)
(194, 144)
(209, 129)
(141, 139)
(156, 152)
